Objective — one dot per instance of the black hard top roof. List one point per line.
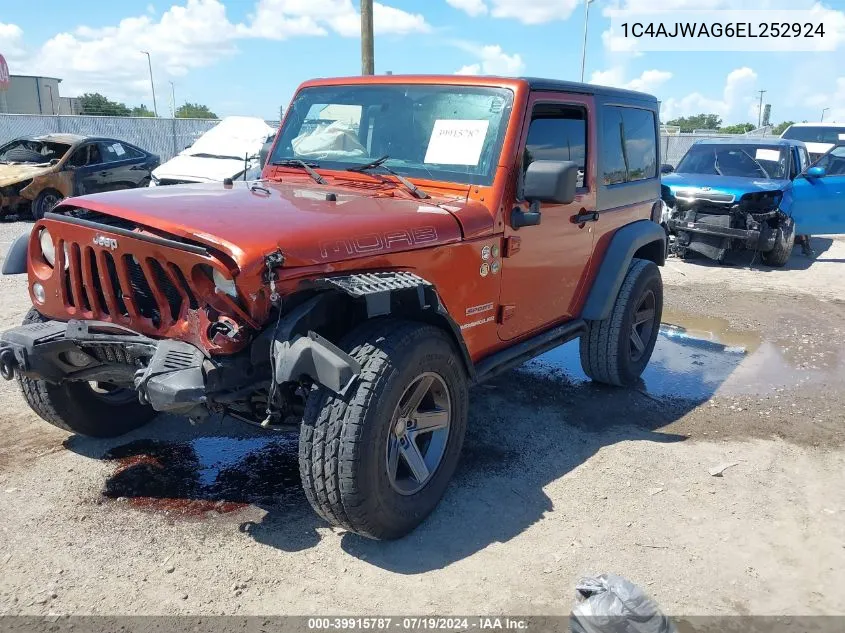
(538, 83)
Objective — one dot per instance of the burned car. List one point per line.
(726, 194)
(38, 172)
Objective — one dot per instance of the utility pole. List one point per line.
(823, 111)
(152, 85)
(367, 52)
(760, 110)
(172, 100)
(584, 48)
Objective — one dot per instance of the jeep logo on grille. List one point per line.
(105, 242)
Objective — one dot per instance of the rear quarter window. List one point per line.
(628, 145)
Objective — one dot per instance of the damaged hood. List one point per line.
(16, 172)
(699, 185)
(249, 222)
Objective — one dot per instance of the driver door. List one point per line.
(817, 203)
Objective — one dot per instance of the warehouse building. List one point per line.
(28, 94)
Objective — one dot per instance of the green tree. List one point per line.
(739, 128)
(697, 122)
(780, 128)
(194, 111)
(142, 110)
(96, 104)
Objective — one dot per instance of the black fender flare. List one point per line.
(15, 262)
(299, 350)
(623, 245)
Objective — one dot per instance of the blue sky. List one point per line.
(248, 56)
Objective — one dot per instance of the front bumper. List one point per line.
(171, 376)
(761, 239)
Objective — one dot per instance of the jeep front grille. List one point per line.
(103, 285)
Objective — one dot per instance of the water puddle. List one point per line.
(207, 474)
(696, 358)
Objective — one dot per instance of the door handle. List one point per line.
(592, 216)
(104, 173)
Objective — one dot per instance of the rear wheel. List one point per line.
(378, 460)
(617, 349)
(85, 408)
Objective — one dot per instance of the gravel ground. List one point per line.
(559, 478)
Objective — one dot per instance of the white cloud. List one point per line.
(279, 19)
(192, 34)
(11, 36)
(492, 61)
(649, 81)
(833, 99)
(472, 7)
(734, 106)
(533, 11)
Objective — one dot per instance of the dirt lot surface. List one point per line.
(560, 478)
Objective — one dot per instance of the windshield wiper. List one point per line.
(220, 156)
(308, 167)
(380, 163)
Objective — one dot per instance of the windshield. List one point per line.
(32, 151)
(449, 133)
(813, 134)
(746, 161)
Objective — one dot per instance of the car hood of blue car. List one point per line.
(733, 185)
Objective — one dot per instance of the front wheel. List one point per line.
(84, 408)
(44, 203)
(782, 251)
(378, 460)
(617, 349)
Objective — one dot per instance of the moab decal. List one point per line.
(376, 242)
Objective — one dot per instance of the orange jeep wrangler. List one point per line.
(409, 237)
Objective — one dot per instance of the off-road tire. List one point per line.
(74, 407)
(343, 439)
(41, 204)
(784, 241)
(605, 347)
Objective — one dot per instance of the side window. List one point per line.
(611, 148)
(640, 143)
(558, 133)
(805, 158)
(628, 146)
(833, 161)
(113, 152)
(86, 155)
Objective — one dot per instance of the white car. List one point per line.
(227, 150)
(819, 137)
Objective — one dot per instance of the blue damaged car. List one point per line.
(752, 193)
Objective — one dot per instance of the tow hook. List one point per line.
(7, 364)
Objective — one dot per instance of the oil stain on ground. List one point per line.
(207, 474)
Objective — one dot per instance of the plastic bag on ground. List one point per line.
(612, 604)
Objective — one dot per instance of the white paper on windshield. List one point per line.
(767, 154)
(118, 149)
(456, 142)
(842, 137)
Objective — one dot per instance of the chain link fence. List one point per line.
(674, 146)
(168, 137)
(164, 137)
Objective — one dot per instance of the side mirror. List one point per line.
(550, 181)
(666, 168)
(816, 172)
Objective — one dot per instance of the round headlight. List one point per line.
(223, 283)
(48, 249)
